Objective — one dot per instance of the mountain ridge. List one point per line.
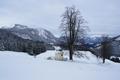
(34, 34)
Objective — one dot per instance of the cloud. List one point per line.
(102, 16)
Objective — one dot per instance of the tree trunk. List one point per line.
(103, 60)
(71, 52)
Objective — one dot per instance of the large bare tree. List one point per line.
(72, 26)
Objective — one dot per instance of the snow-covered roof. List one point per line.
(57, 48)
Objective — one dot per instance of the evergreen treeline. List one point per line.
(11, 42)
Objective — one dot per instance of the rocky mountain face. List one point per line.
(32, 34)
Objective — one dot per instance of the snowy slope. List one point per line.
(47, 35)
(20, 66)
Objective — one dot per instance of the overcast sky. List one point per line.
(103, 16)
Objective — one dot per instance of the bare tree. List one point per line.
(72, 27)
(105, 48)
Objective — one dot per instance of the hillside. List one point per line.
(11, 42)
(15, 66)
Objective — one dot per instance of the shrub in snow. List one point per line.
(80, 55)
(50, 58)
(115, 59)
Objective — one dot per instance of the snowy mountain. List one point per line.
(25, 32)
(11, 42)
(93, 40)
(90, 40)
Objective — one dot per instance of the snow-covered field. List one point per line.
(21, 66)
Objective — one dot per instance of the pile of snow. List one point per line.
(20, 66)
